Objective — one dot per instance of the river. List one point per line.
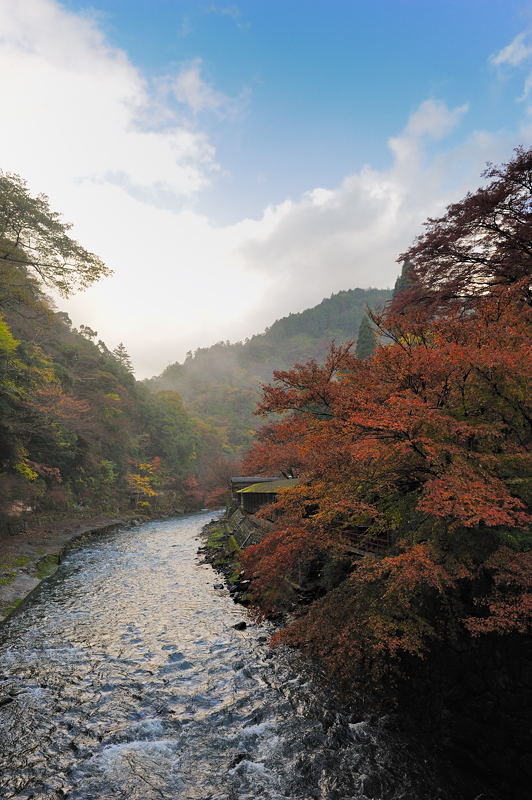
(123, 677)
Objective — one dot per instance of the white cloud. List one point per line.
(191, 89)
(514, 53)
(81, 123)
(233, 12)
(434, 120)
(351, 236)
(78, 108)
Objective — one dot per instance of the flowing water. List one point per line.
(123, 677)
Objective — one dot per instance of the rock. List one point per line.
(240, 626)
(371, 785)
(5, 700)
(218, 585)
(237, 759)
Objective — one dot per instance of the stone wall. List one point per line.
(247, 528)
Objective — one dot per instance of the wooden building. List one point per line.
(258, 494)
(243, 481)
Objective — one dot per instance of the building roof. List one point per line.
(271, 487)
(253, 478)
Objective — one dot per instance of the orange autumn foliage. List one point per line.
(410, 521)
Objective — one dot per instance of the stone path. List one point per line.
(27, 558)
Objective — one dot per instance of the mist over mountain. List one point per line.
(221, 384)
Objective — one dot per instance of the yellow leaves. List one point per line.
(8, 343)
(147, 467)
(141, 485)
(24, 469)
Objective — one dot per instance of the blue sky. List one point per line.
(319, 84)
(234, 162)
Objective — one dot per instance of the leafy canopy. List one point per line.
(35, 237)
(410, 523)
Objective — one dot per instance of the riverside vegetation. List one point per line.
(420, 452)
(421, 447)
(77, 431)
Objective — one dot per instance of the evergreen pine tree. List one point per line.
(121, 355)
(405, 280)
(366, 341)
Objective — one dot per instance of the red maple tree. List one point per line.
(410, 518)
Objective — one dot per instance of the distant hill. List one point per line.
(221, 384)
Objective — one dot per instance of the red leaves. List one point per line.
(480, 242)
(278, 565)
(508, 607)
(417, 567)
(307, 387)
(52, 474)
(426, 446)
(462, 497)
(376, 616)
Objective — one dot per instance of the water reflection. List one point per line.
(123, 678)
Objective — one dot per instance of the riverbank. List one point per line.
(34, 554)
(477, 692)
(224, 539)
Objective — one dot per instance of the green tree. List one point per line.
(366, 340)
(35, 238)
(171, 431)
(122, 356)
(405, 280)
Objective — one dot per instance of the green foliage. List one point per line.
(122, 356)
(76, 429)
(8, 343)
(221, 384)
(405, 280)
(35, 237)
(170, 430)
(366, 340)
(47, 566)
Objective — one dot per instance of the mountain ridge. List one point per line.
(220, 384)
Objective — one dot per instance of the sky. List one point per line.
(234, 162)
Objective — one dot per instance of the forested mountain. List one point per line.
(76, 428)
(221, 384)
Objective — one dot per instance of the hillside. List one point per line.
(77, 431)
(220, 384)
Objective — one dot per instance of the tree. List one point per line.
(122, 356)
(366, 341)
(34, 237)
(483, 241)
(405, 280)
(410, 523)
(424, 449)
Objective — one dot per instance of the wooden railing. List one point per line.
(365, 544)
